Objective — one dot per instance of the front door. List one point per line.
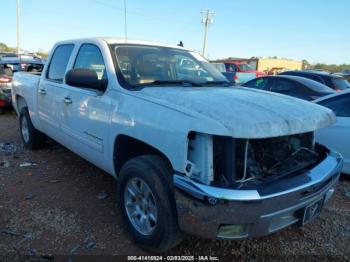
(85, 113)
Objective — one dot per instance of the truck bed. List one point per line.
(24, 84)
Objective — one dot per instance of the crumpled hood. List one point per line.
(245, 112)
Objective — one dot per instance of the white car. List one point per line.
(337, 136)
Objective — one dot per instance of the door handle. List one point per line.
(42, 91)
(67, 100)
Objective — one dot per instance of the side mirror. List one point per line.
(85, 78)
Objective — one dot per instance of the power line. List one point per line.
(206, 21)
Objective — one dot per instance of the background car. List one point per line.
(335, 82)
(337, 136)
(5, 89)
(345, 74)
(14, 64)
(230, 76)
(291, 85)
(232, 70)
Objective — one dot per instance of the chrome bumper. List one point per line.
(203, 209)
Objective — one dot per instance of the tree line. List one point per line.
(5, 48)
(326, 67)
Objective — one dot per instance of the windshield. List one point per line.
(152, 65)
(245, 67)
(340, 83)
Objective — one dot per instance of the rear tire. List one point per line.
(31, 137)
(148, 176)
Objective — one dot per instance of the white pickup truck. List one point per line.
(191, 153)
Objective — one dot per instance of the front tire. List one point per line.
(146, 201)
(31, 137)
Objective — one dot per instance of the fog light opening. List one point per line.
(232, 231)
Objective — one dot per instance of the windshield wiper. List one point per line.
(171, 82)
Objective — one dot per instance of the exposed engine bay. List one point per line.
(250, 162)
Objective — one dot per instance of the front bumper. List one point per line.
(205, 210)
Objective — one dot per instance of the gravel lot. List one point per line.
(62, 205)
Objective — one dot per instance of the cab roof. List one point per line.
(120, 40)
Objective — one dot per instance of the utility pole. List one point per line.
(125, 24)
(206, 21)
(18, 33)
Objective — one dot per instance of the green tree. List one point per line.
(305, 64)
(42, 54)
(3, 47)
(331, 67)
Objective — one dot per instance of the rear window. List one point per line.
(340, 83)
(59, 62)
(315, 86)
(339, 104)
(309, 76)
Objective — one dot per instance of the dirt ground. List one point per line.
(63, 206)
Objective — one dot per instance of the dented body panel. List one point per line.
(243, 112)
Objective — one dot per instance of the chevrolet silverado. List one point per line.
(191, 153)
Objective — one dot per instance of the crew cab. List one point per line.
(191, 154)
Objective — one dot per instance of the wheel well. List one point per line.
(126, 148)
(20, 103)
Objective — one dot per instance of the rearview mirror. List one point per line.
(85, 78)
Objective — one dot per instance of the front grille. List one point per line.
(243, 162)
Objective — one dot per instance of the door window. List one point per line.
(339, 104)
(282, 85)
(262, 83)
(59, 62)
(90, 57)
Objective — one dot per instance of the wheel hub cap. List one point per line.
(140, 206)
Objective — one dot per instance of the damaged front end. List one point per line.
(253, 162)
(244, 163)
(255, 186)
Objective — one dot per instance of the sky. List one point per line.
(315, 30)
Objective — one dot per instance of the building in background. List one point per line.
(269, 66)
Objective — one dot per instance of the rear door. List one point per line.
(85, 113)
(49, 87)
